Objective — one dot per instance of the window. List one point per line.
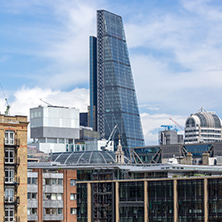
(9, 174)
(53, 196)
(32, 211)
(59, 210)
(9, 194)
(48, 196)
(73, 211)
(60, 181)
(70, 141)
(47, 211)
(53, 211)
(72, 182)
(32, 196)
(29, 180)
(61, 140)
(9, 213)
(9, 137)
(53, 181)
(9, 156)
(59, 196)
(34, 180)
(47, 181)
(72, 196)
(51, 140)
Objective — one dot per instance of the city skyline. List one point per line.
(174, 48)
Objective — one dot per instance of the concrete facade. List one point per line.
(54, 129)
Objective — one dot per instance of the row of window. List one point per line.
(56, 140)
(49, 181)
(50, 196)
(51, 211)
(53, 181)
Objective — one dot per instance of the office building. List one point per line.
(195, 153)
(112, 93)
(13, 168)
(53, 128)
(203, 126)
(108, 191)
(169, 136)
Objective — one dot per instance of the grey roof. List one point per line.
(204, 118)
(85, 157)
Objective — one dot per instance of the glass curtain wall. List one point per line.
(131, 201)
(116, 96)
(82, 202)
(215, 199)
(160, 199)
(190, 200)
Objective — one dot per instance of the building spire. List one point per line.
(119, 154)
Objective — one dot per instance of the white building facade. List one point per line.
(53, 128)
(203, 126)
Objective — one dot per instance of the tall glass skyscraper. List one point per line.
(112, 93)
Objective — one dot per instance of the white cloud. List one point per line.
(27, 98)
(152, 124)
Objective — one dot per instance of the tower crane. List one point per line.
(167, 126)
(177, 124)
(110, 137)
(7, 111)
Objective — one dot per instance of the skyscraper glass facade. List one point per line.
(116, 97)
(93, 82)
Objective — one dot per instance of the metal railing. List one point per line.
(11, 219)
(12, 180)
(11, 200)
(14, 142)
(14, 161)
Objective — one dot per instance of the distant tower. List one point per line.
(112, 93)
(203, 126)
(119, 154)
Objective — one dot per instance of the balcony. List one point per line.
(53, 203)
(12, 143)
(32, 217)
(11, 219)
(52, 217)
(12, 180)
(12, 162)
(10, 200)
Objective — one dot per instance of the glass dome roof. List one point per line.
(85, 157)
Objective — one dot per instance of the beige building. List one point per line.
(13, 168)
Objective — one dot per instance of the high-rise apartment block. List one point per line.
(13, 168)
(112, 93)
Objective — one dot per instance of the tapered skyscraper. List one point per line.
(112, 93)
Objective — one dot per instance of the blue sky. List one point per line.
(175, 49)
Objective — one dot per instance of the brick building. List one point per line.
(52, 195)
(13, 168)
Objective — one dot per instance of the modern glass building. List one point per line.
(114, 100)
